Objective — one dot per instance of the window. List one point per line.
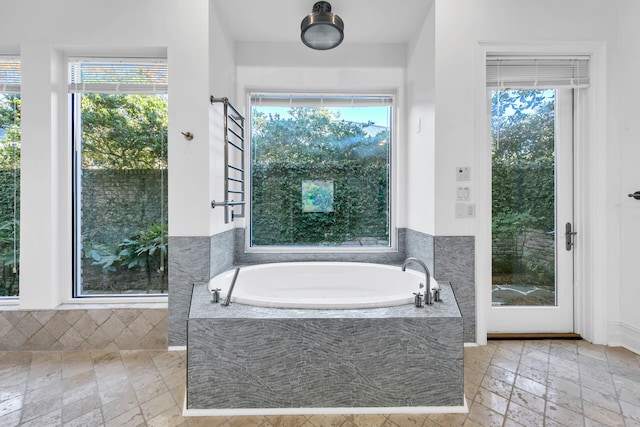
(321, 171)
(9, 177)
(119, 122)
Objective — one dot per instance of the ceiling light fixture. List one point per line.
(322, 29)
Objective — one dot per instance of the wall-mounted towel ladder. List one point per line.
(234, 170)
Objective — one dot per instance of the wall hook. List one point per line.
(187, 135)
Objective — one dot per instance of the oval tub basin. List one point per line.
(321, 285)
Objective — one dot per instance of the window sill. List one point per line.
(84, 303)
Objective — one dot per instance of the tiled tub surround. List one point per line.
(455, 263)
(193, 260)
(198, 259)
(247, 360)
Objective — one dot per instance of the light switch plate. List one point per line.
(465, 210)
(463, 194)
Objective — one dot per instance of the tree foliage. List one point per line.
(10, 112)
(124, 131)
(523, 165)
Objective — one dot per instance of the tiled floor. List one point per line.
(507, 383)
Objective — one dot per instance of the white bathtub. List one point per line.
(321, 285)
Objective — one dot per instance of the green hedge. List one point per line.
(359, 211)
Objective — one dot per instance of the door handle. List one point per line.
(568, 235)
(635, 195)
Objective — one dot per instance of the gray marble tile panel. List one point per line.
(188, 263)
(455, 262)
(421, 246)
(222, 255)
(242, 257)
(329, 362)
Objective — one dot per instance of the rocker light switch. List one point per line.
(463, 194)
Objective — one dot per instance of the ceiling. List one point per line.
(365, 21)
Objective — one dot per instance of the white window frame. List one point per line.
(76, 89)
(14, 89)
(393, 178)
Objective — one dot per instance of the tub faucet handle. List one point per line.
(436, 295)
(418, 299)
(215, 295)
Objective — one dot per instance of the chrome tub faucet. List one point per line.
(428, 296)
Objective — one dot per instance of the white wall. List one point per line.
(624, 322)
(222, 84)
(419, 157)
(189, 164)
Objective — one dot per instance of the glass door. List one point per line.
(532, 211)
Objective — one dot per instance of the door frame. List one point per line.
(590, 213)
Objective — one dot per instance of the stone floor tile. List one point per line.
(408, 420)
(208, 422)
(240, 421)
(445, 420)
(530, 386)
(491, 400)
(170, 417)
(630, 411)
(328, 420)
(79, 391)
(151, 391)
(122, 405)
(601, 415)
(565, 399)
(510, 365)
(524, 416)
(603, 400)
(496, 386)
(157, 405)
(484, 416)
(501, 374)
(533, 373)
(10, 405)
(287, 420)
(114, 391)
(563, 415)
(11, 419)
(39, 403)
(475, 364)
(132, 418)
(80, 407)
(528, 400)
(90, 419)
(53, 418)
(506, 383)
(508, 422)
(470, 423)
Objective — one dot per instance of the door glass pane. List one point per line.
(523, 198)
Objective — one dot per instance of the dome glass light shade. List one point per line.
(322, 29)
